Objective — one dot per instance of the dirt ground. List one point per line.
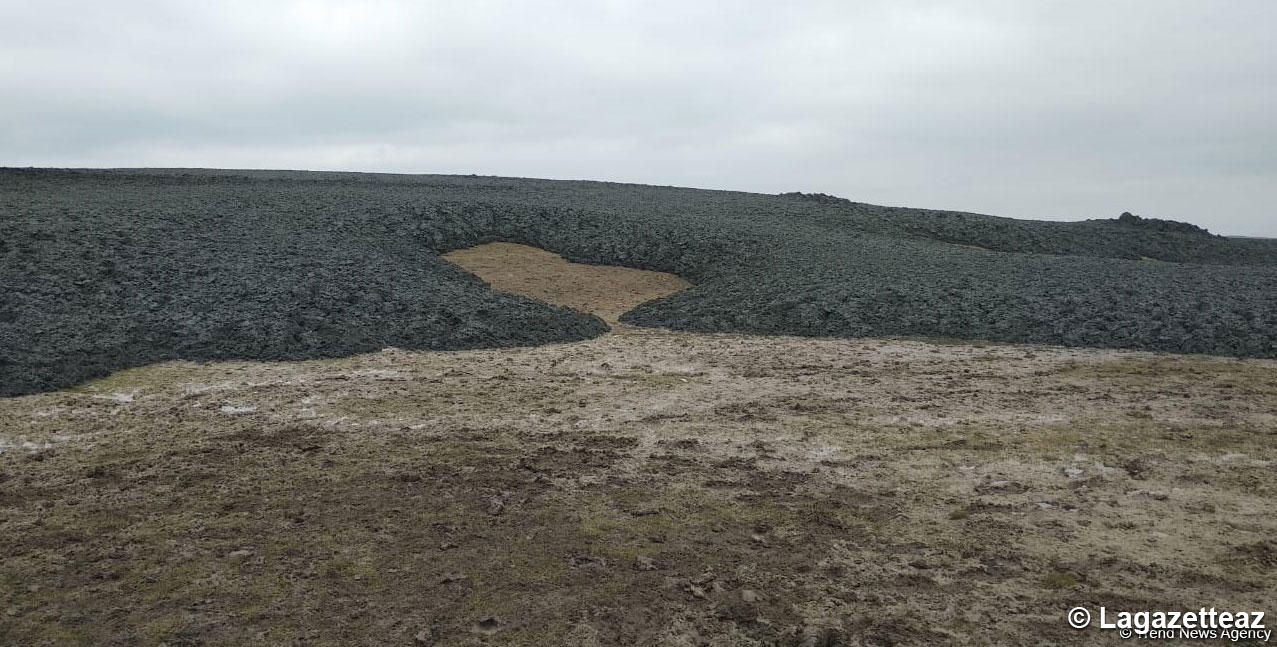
(642, 488)
(602, 290)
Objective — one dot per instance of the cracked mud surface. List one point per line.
(106, 270)
(643, 488)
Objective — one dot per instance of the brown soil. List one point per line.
(602, 290)
(642, 488)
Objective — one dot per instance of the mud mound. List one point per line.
(604, 291)
(103, 270)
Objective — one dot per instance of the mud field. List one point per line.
(646, 487)
(108, 270)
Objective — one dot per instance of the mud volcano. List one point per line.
(105, 270)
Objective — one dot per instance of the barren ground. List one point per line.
(605, 291)
(645, 487)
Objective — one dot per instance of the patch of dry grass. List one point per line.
(636, 489)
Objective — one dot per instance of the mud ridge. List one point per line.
(105, 270)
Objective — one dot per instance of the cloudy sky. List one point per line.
(1063, 109)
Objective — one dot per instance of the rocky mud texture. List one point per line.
(103, 270)
(641, 488)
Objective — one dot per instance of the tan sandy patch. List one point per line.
(605, 291)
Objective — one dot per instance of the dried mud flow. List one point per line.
(106, 270)
(645, 487)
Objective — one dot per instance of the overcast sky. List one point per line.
(1062, 110)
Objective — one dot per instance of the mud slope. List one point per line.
(102, 270)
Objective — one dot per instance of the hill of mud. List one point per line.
(103, 270)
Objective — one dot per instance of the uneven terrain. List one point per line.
(645, 487)
(112, 269)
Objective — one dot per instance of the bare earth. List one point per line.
(602, 290)
(646, 487)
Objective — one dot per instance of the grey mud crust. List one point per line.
(107, 270)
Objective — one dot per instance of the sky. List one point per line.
(1060, 110)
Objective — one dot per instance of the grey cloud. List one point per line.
(1047, 109)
